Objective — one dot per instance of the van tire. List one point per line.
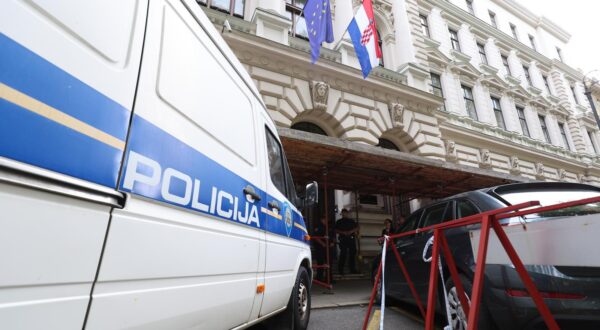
(297, 313)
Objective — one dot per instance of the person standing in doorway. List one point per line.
(347, 230)
(387, 231)
(321, 240)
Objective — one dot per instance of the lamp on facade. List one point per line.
(588, 84)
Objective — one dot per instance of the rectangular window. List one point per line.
(294, 11)
(231, 7)
(544, 128)
(547, 84)
(559, 52)
(563, 133)
(482, 53)
(275, 156)
(592, 142)
(527, 75)
(574, 95)
(424, 25)
(505, 63)
(513, 29)
(436, 86)
(532, 42)
(470, 7)
(498, 113)
(523, 121)
(493, 19)
(469, 101)
(454, 40)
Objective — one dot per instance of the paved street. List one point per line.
(352, 318)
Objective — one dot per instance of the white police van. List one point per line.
(142, 182)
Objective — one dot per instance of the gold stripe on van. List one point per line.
(27, 102)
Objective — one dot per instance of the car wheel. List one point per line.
(457, 315)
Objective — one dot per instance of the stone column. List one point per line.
(468, 45)
(575, 130)
(536, 76)
(493, 55)
(510, 114)
(343, 13)
(483, 104)
(405, 48)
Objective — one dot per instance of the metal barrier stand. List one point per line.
(488, 220)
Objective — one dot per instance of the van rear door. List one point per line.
(68, 71)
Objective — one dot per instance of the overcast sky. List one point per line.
(581, 18)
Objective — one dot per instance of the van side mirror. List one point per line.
(311, 196)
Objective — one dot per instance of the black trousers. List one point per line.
(347, 250)
(320, 258)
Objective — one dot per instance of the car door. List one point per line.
(412, 251)
(394, 278)
(185, 250)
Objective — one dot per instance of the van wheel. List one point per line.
(297, 313)
(299, 304)
(457, 314)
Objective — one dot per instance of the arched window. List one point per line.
(387, 144)
(309, 127)
(380, 42)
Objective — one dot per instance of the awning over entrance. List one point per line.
(373, 170)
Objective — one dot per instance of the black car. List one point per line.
(571, 293)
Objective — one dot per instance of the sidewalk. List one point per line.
(344, 293)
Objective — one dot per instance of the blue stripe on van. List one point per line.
(33, 75)
(196, 169)
(30, 88)
(33, 139)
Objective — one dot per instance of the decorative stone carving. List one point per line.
(320, 94)
(581, 178)
(397, 114)
(485, 160)
(451, 153)
(562, 174)
(515, 168)
(539, 171)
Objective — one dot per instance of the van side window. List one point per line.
(275, 162)
(465, 208)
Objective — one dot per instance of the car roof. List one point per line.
(512, 187)
(529, 186)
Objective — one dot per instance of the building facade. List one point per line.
(483, 83)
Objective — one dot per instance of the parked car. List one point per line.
(572, 293)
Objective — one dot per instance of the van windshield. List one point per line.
(556, 196)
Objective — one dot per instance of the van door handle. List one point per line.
(274, 205)
(249, 190)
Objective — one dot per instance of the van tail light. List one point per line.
(546, 295)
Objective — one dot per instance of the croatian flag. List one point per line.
(364, 37)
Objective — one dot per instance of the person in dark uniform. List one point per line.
(347, 230)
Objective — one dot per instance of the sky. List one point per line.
(581, 18)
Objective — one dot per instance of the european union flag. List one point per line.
(317, 14)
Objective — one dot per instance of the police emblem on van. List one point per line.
(289, 222)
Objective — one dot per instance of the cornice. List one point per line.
(382, 85)
(534, 20)
(515, 142)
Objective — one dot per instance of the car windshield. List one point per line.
(551, 197)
